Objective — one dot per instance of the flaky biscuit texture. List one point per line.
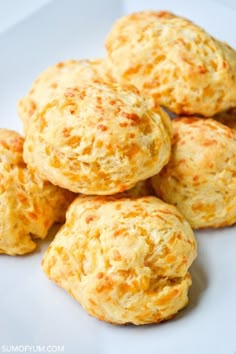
(98, 139)
(125, 260)
(28, 205)
(200, 178)
(175, 61)
(56, 79)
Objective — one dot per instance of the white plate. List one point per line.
(33, 311)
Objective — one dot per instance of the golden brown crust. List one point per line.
(98, 139)
(125, 260)
(56, 79)
(200, 178)
(175, 61)
(28, 205)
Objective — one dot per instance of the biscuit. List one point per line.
(124, 260)
(200, 178)
(175, 61)
(228, 118)
(28, 205)
(98, 139)
(56, 79)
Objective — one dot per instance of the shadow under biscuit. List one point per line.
(42, 245)
(199, 285)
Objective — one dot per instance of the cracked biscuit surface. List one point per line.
(28, 205)
(56, 79)
(200, 177)
(124, 260)
(98, 139)
(175, 61)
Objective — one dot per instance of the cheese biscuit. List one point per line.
(29, 206)
(124, 260)
(56, 79)
(175, 61)
(98, 139)
(200, 178)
